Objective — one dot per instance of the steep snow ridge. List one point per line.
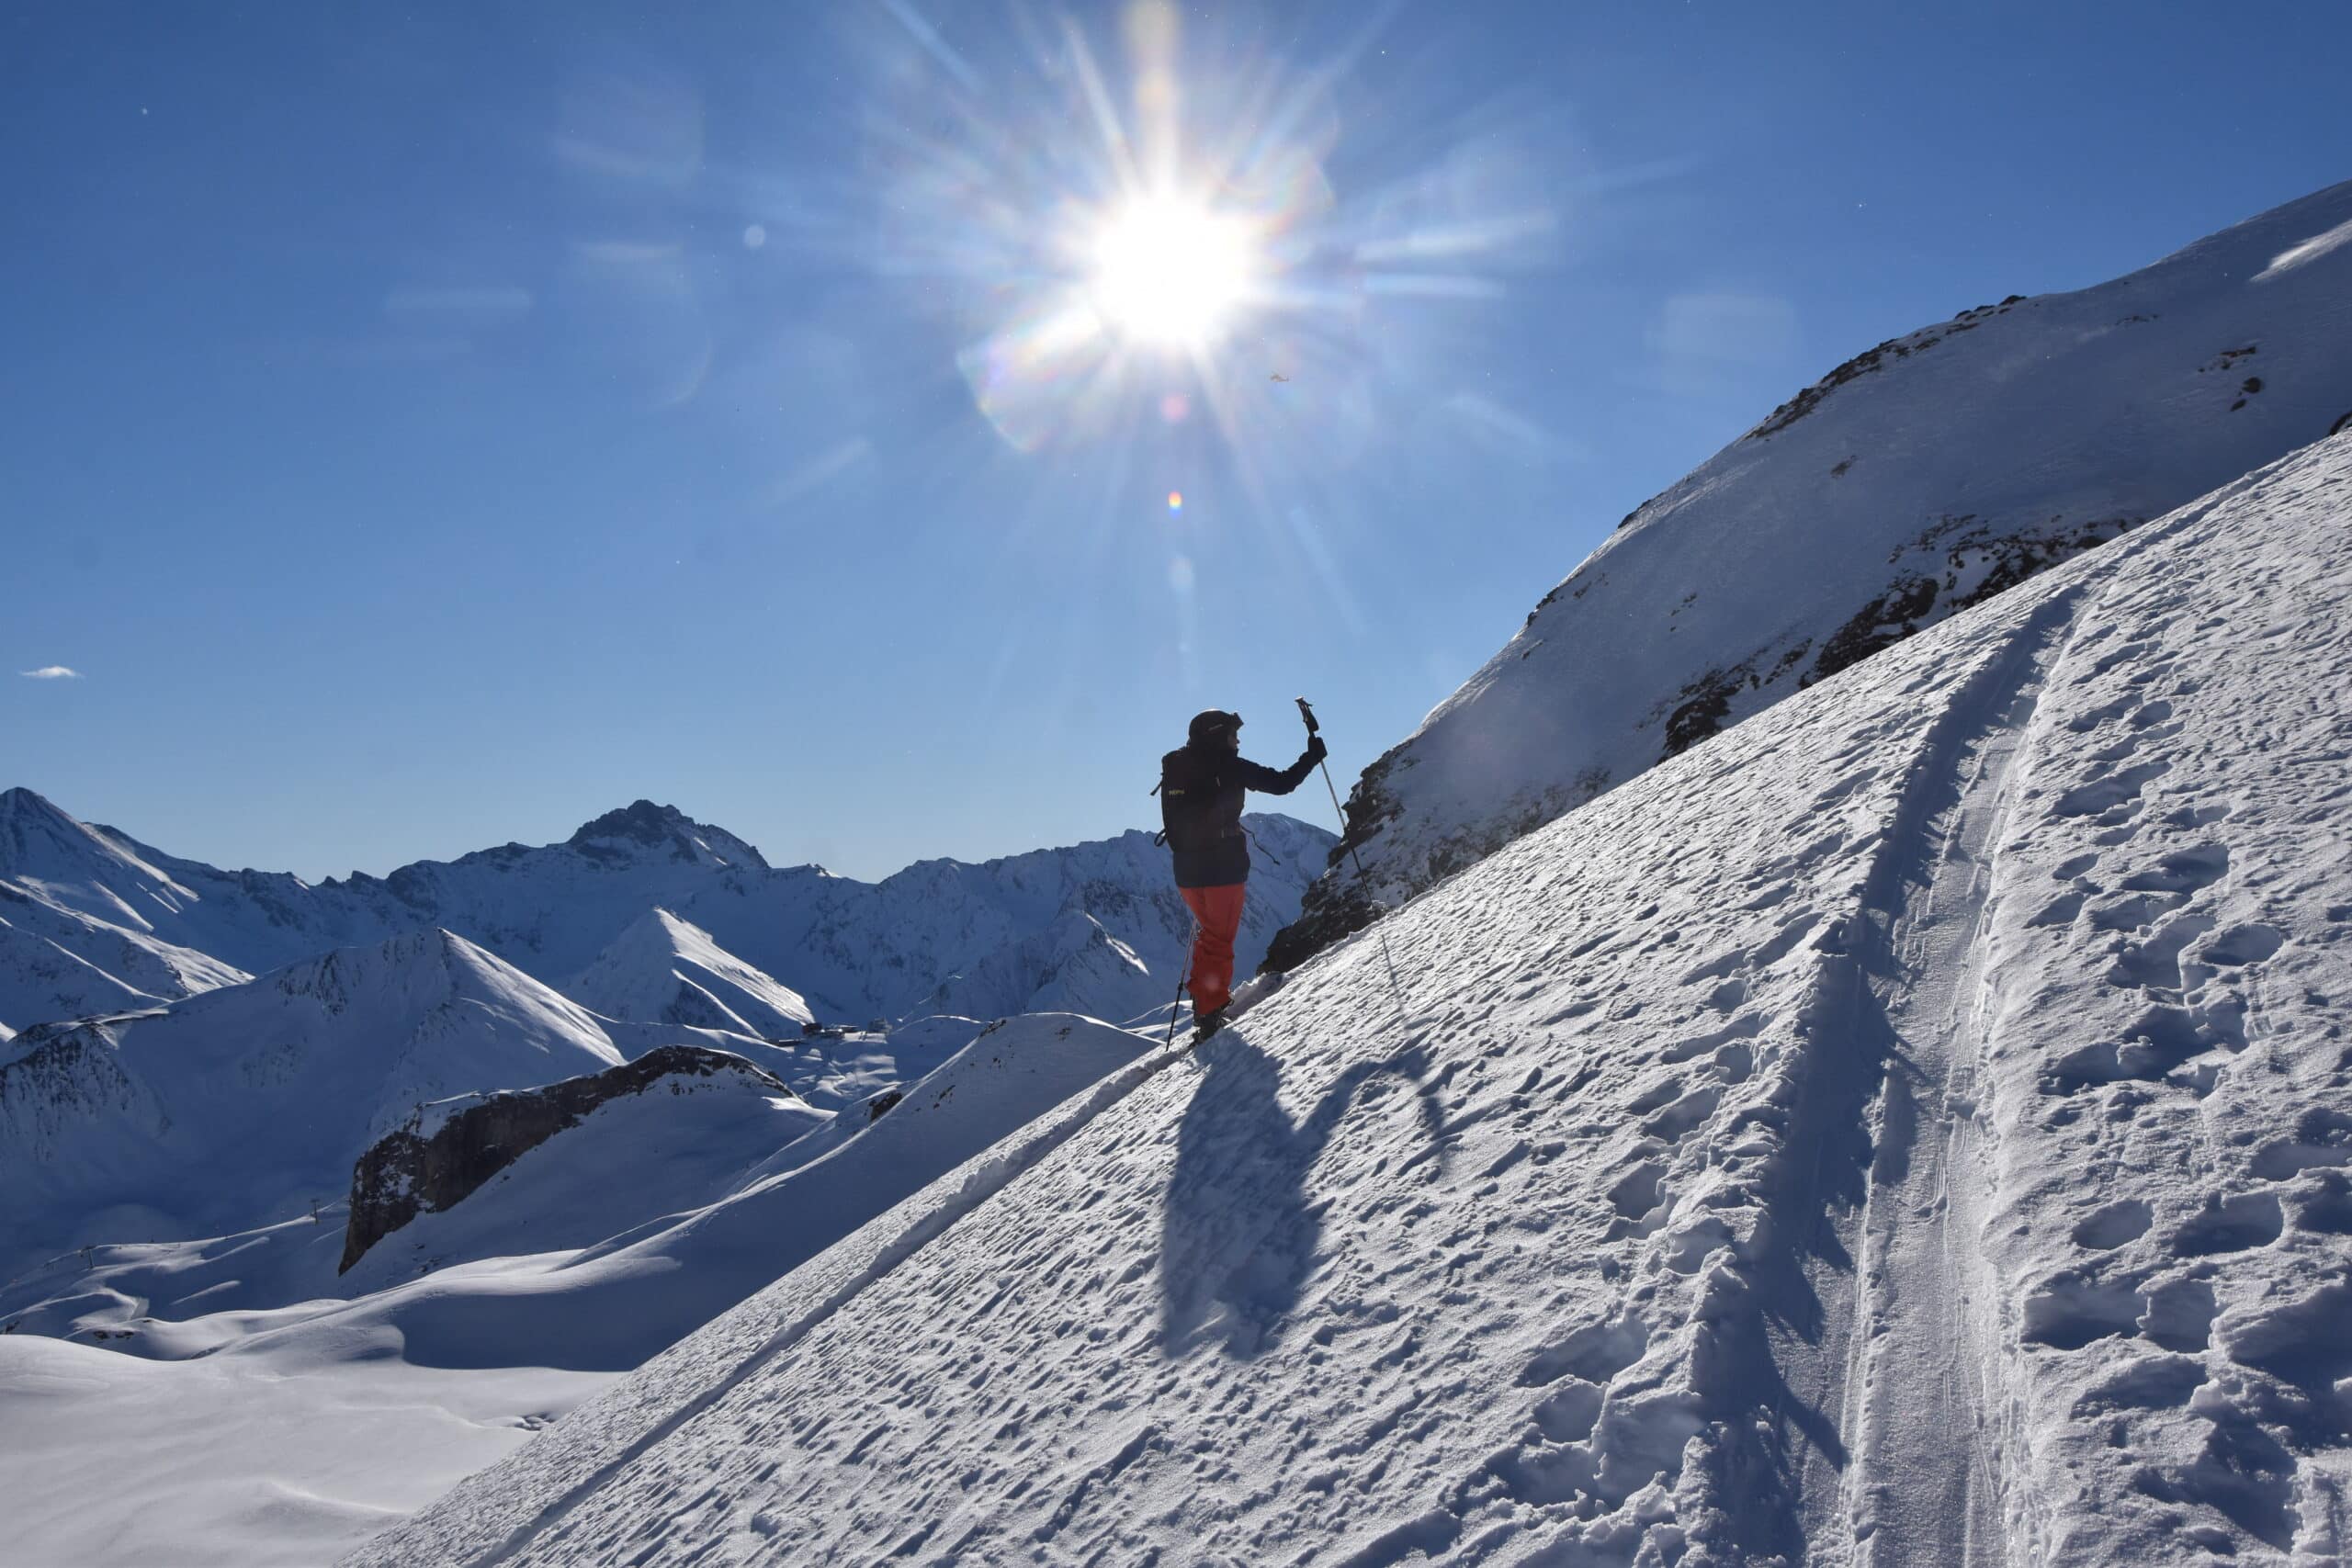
(79, 868)
(1586, 1252)
(1914, 481)
(100, 892)
(249, 1103)
(1070, 963)
(41, 978)
(666, 970)
(79, 916)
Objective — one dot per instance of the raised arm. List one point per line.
(1265, 781)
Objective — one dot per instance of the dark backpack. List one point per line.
(1188, 788)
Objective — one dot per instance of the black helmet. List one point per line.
(1212, 727)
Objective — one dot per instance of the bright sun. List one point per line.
(1169, 272)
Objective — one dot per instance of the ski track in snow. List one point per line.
(1905, 1294)
(1895, 1131)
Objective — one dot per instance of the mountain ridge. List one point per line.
(92, 920)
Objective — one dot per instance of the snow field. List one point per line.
(219, 1463)
(1766, 1161)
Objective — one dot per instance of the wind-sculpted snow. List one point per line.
(1907, 1130)
(1916, 479)
(643, 915)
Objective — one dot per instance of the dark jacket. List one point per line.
(1202, 790)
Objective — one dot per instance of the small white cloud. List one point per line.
(51, 672)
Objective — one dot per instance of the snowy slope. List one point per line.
(1910, 1129)
(649, 1149)
(249, 1103)
(240, 1462)
(673, 1130)
(665, 970)
(216, 1427)
(96, 921)
(1070, 967)
(621, 1276)
(1916, 480)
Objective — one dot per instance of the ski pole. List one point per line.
(1179, 1002)
(1314, 728)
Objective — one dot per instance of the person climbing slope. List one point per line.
(1201, 784)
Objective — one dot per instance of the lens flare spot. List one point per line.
(755, 236)
(1175, 500)
(1175, 408)
(1180, 574)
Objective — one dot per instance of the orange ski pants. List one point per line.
(1218, 912)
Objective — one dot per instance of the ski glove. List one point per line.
(1316, 750)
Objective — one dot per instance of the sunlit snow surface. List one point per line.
(1907, 1129)
(1898, 489)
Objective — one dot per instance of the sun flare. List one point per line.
(1171, 272)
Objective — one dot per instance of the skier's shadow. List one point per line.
(1238, 1235)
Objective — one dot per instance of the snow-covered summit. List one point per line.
(1905, 1130)
(1916, 480)
(667, 970)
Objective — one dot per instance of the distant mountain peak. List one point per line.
(639, 819)
(21, 803)
(658, 827)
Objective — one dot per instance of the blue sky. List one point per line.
(428, 429)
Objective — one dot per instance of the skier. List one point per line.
(1201, 784)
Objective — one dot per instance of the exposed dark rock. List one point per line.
(640, 822)
(1706, 702)
(2342, 425)
(881, 1104)
(1329, 911)
(1891, 351)
(1916, 601)
(1883, 622)
(408, 1172)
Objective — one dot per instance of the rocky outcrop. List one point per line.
(447, 1150)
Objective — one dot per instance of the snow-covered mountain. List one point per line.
(665, 970)
(677, 1128)
(1908, 1128)
(1914, 481)
(92, 920)
(881, 949)
(248, 1104)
